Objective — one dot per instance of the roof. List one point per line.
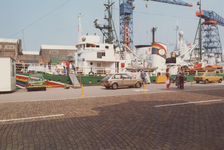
(9, 40)
(57, 47)
(7, 57)
(213, 66)
(31, 52)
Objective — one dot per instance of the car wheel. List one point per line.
(220, 81)
(107, 87)
(206, 81)
(197, 81)
(114, 86)
(138, 85)
(28, 90)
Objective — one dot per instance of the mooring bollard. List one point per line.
(82, 91)
(191, 85)
(143, 87)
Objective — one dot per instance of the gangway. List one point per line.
(74, 81)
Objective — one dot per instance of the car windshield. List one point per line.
(200, 74)
(107, 77)
(36, 78)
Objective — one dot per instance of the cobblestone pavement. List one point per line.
(117, 122)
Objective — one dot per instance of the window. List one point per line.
(107, 47)
(13, 70)
(117, 76)
(213, 74)
(125, 76)
(207, 74)
(36, 79)
(90, 45)
(104, 64)
(9, 47)
(200, 74)
(98, 64)
(100, 54)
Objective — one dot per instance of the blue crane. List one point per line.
(126, 18)
(175, 2)
(209, 31)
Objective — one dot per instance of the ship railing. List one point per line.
(99, 70)
(36, 67)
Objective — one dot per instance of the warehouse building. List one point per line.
(56, 53)
(48, 53)
(11, 48)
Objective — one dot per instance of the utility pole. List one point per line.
(200, 50)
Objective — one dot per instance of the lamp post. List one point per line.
(200, 51)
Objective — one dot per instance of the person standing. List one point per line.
(178, 78)
(67, 67)
(168, 79)
(133, 75)
(49, 66)
(73, 67)
(64, 71)
(181, 78)
(143, 74)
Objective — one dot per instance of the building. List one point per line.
(56, 53)
(10, 48)
(48, 53)
(30, 57)
(8, 74)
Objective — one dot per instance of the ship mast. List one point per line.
(80, 26)
(108, 29)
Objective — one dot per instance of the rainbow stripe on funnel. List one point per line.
(156, 47)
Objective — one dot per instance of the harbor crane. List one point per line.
(209, 31)
(126, 18)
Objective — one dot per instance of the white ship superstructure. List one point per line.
(93, 56)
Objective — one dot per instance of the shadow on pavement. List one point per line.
(134, 124)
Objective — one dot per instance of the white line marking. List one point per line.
(187, 103)
(32, 118)
(140, 90)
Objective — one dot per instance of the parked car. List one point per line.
(36, 81)
(207, 77)
(120, 79)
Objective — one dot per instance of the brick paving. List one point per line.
(117, 122)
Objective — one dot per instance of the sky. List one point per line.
(55, 22)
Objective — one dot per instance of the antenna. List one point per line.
(80, 26)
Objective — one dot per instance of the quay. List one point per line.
(114, 119)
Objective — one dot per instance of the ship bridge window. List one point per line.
(90, 45)
(107, 47)
(97, 46)
(100, 54)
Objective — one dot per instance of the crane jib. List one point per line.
(175, 2)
